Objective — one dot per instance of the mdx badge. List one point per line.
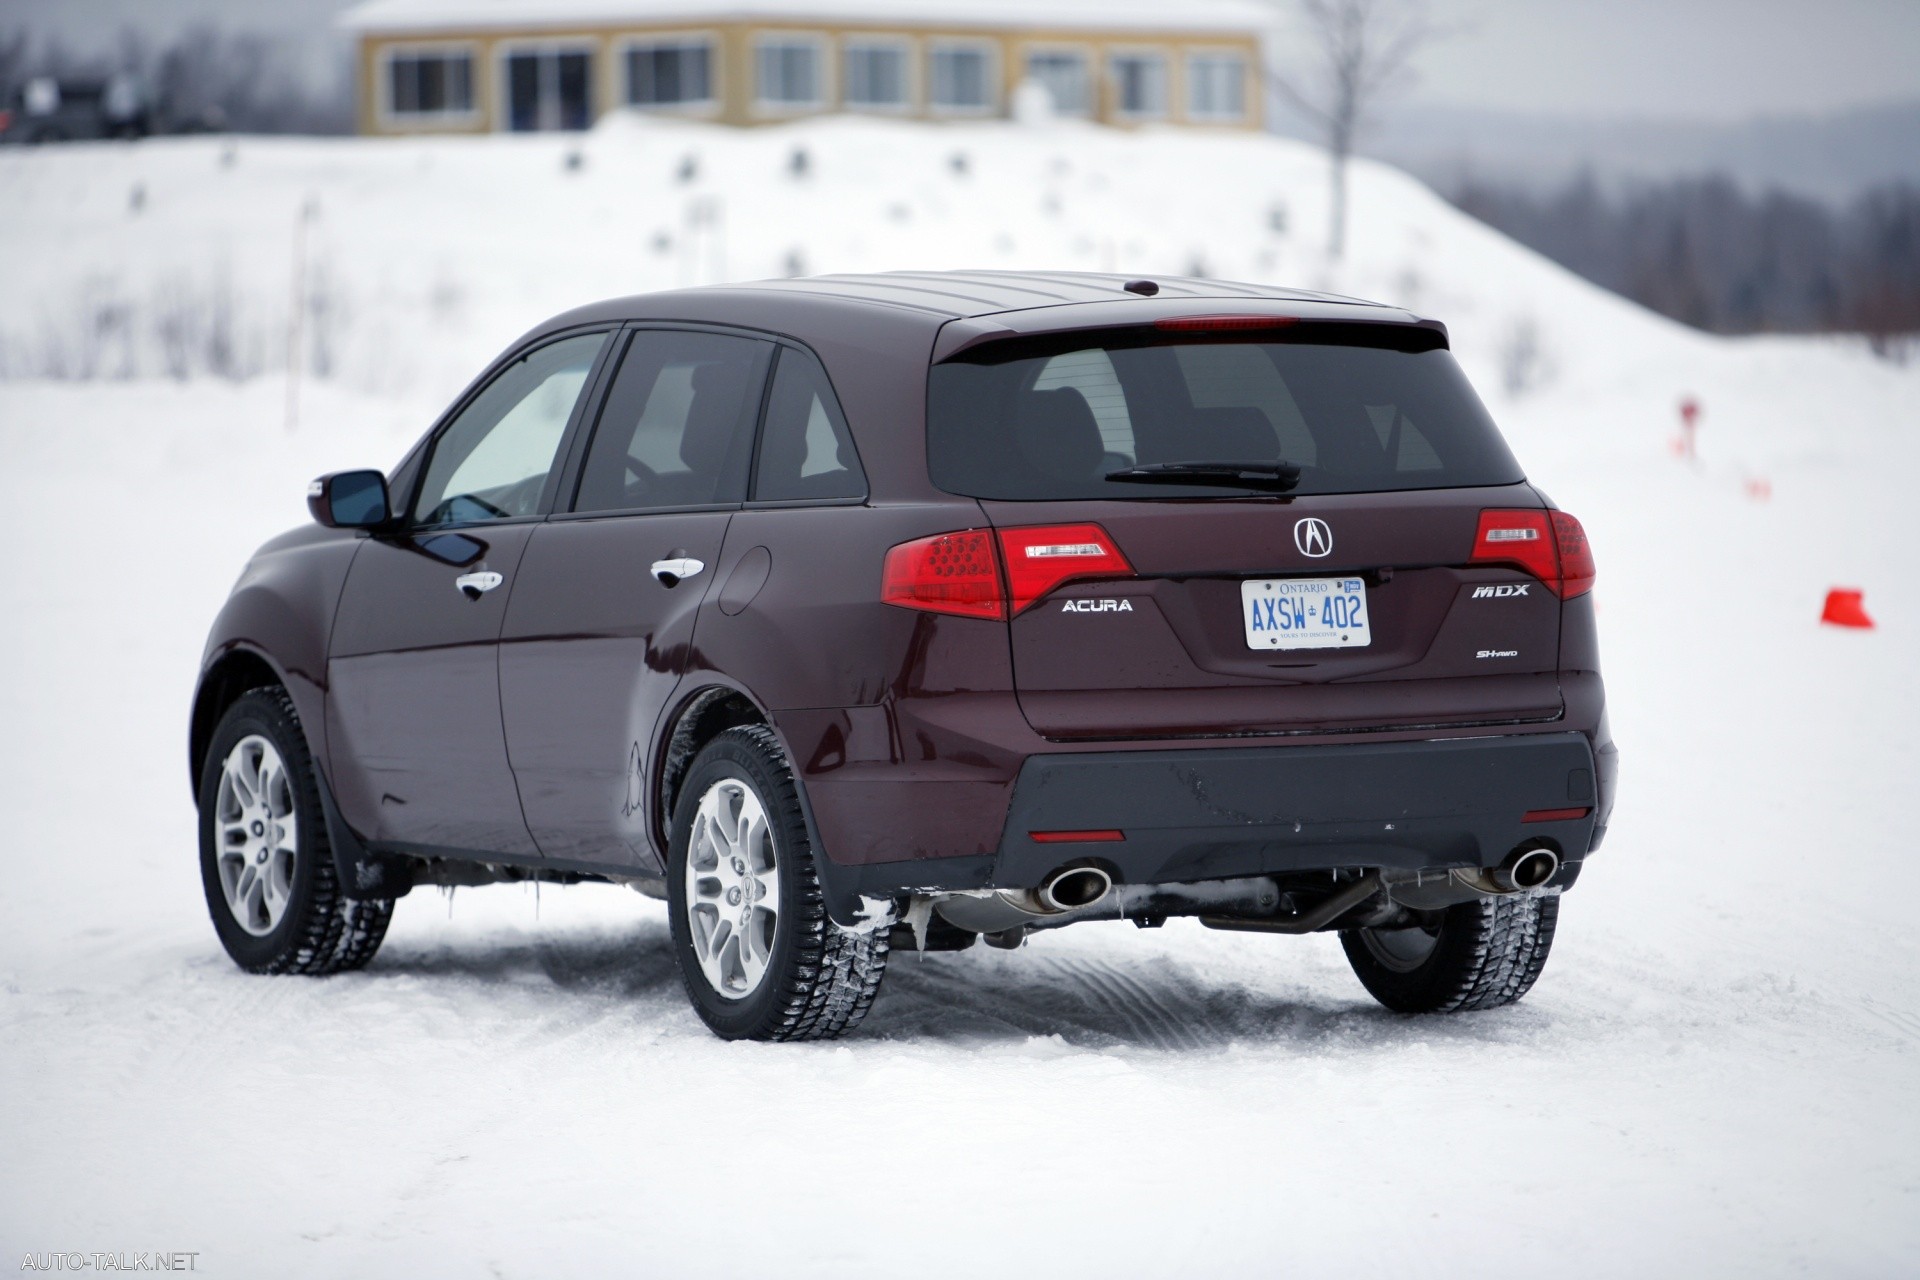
(1313, 537)
(1502, 591)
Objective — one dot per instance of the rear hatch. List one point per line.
(1340, 582)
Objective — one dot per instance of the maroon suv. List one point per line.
(865, 612)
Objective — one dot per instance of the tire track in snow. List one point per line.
(1153, 1023)
(1903, 1023)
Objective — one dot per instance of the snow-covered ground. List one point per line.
(1719, 1073)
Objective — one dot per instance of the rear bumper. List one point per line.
(1234, 811)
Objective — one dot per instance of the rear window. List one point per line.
(1026, 424)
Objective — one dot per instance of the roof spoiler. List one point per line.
(967, 333)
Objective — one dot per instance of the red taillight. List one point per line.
(1576, 556)
(947, 573)
(1106, 836)
(1222, 324)
(1550, 545)
(1041, 557)
(958, 572)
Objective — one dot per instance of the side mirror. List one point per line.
(349, 500)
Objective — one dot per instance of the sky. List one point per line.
(1708, 60)
(1714, 60)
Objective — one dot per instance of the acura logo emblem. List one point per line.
(1313, 537)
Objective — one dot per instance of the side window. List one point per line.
(805, 449)
(491, 462)
(677, 427)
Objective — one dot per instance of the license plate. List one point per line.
(1305, 613)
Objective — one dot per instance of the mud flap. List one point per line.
(363, 873)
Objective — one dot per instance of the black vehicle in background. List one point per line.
(78, 109)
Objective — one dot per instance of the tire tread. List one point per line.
(1491, 952)
(835, 973)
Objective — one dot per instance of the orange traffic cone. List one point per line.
(1844, 609)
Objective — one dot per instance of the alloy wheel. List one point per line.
(258, 834)
(732, 888)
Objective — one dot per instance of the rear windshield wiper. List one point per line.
(1277, 477)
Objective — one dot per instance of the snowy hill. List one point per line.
(1713, 1076)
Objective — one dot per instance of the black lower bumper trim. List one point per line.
(1200, 815)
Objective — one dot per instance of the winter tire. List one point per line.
(760, 958)
(1477, 955)
(265, 862)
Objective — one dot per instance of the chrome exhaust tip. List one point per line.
(1074, 888)
(1525, 869)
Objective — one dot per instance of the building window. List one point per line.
(1064, 76)
(788, 72)
(548, 89)
(1216, 86)
(875, 75)
(960, 78)
(1140, 85)
(670, 73)
(430, 84)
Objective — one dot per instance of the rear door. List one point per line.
(1397, 460)
(601, 625)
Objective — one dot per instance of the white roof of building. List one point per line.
(424, 16)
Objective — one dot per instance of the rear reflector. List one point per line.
(1076, 837)
(1219, 324)
(1550, 545)
(1555, 815)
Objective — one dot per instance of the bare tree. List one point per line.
(1361, 51)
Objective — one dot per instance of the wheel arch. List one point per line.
(696, 719)
(225, 679)
(362, 872)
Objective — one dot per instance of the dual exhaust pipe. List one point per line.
(1071, 889)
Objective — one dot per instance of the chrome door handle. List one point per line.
(475, 585)
(670, 572)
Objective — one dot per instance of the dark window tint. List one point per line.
(491, 462)
(677, 427)
(805, 450)
(1353, 418)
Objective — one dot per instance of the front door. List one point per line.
(413, 710)
(601, 624)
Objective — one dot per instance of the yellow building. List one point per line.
(476, 66)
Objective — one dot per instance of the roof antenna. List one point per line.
(1145, 288)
